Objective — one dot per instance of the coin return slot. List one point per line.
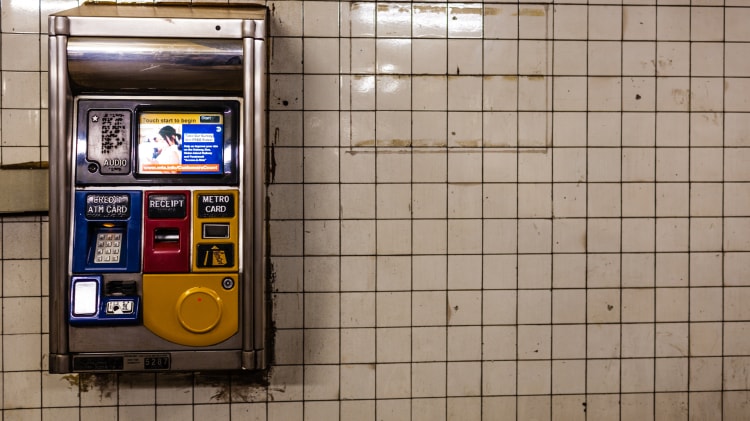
(215, 230)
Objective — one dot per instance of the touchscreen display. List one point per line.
(180, 143)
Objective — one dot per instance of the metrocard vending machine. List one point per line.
(157, 132)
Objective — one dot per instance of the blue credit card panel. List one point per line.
(107, 231)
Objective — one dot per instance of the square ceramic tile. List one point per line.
(361, 56)
(638, 199)
(358, 237)
(534, 57)
(534, 200)
(568, 341)
(499, 342)
(429, 20)
(428, 344)
(672, 269)
(321, 55)
(736, 59)
(321, 346)
(287, 310)
(499, 377)
(637, 375)
(464, 343)
(568, 306)
(500, 93)
(672, 58)
(430, 165)
(428, 380)
(604, 200)
(604, 93)
(604, 58)
(465, 272)
(534, 271)
(638, 269)
(672, 164)
(639, 94)
(19, 19)
(393, 309)
(534, 93)
(707, 59)
(672, 199)
(603, 306)
(394, 20)
(393, 56)
(464, 308)
(464, 20)
(500, 21)
(429, 56)
(465, 56)
(707, 95)
(569, 199)
(569, 270)
(568, 58)
(673, 23)
(21, 89)
(570, 21)
(638, 234)
(429, 272)
(285, 92)
(361, 22)
(393, 345)
(392, 381)
(569, 236)
(358, 309)
(357, 273)
(357, 345)
(320, 19)
(639, 22)
(707, 23)
(21, 52)
(429, 93)
(605, 22)
(393, 128)
(393, 273)
(429, 129)
(603, 376)
(569, 93)
(499, 271)
(638, 340)
(496, 53)
(321, 382)
(500, 199)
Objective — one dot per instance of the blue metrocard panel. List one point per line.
(88, 305)
(107, 231)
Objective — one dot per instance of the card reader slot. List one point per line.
(215, 230)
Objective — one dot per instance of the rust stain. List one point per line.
(390, 7)
(457, 10)
(510, 78)
(368, 142)
(428, 9)
(493, 11)
(395, 142)
(472, 143)
(527, 11)
(535, 77)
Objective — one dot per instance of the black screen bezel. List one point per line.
(229, 108)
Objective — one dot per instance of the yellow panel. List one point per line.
(191, 309)
(217, 208)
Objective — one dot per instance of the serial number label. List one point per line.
(107, 206)
(156, 363)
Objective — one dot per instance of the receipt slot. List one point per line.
(157, 132)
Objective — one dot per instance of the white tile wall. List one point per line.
(512, 210)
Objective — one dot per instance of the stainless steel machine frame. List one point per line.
(156, 53)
